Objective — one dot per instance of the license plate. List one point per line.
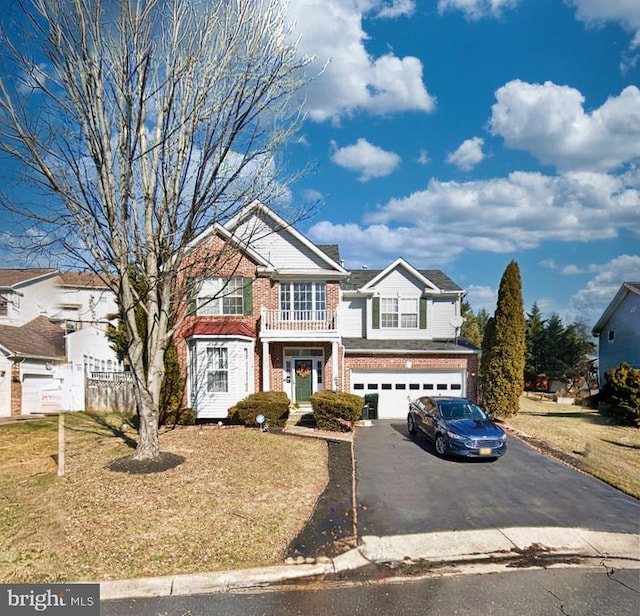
(485, 451)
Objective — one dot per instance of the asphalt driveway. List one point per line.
(403, 487)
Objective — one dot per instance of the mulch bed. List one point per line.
(128, 464)
(330, 531)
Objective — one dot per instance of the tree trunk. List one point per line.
(148, 442)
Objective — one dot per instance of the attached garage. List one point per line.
(395, 387)
(34, 387)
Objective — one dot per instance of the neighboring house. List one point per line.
(283, 314)
(618, 331)
(46, 341)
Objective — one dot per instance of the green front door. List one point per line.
(304, 376)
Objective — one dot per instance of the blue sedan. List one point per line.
(457, 426)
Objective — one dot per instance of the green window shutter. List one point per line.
(423, 313)
(191, 295)
(247, 292)
(375, 313)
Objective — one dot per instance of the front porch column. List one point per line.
(334, 367)
(266, 367)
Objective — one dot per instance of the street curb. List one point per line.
(451, 547)
(505, 542)
(221, 581)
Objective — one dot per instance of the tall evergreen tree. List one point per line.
(535, 343)
(553, 366)
(470, 330)
(482, 318)
(503, 369)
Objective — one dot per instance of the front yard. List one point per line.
(583, 438)
(236, 501)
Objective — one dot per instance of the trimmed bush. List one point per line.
(620, 396)
(274, 405)
(336, 411)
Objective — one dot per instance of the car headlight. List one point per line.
(503, 438)
(454, 436)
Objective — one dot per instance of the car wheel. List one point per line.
(411, 424)
(441, 445)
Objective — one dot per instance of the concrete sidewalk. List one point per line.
(458, 547)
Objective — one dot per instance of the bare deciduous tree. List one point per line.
(146, 121)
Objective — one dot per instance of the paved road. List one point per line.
(534, 593)
(404, 487)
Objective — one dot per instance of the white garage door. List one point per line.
(33, 386)
(395, 387)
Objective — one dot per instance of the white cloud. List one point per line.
(350, 80)
(549, 121)
(468, 155)
(501, 215)
(397, 8)
(481, 297)
(367, 159)
(625, 12)
(590, 302)
(476, 9)
(313, 196)
(423, 158)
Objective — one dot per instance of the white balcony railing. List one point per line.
(299, 320)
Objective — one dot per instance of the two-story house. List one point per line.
(618, 331)
(51, 335)
(283, 314)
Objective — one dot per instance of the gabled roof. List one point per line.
(85, 280)
(12, 277)
(258, 208)
(623, 291)
(218, 229)
(38, 338)
(366, 279)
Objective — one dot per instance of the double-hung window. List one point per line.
(399, 312)
(217, 370)
(4, 306)
(221, 296)
(303, 301)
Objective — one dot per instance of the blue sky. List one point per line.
(462, 134)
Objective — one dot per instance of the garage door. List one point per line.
(394, 387)
(33, 387)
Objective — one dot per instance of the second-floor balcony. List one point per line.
(297, 323)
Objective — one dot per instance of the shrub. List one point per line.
(179, 417)
(620, 396)
(336, 411)
(274, 405)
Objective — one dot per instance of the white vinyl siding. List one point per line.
(352, 318)
(221, 373)
(620, 337)
(278, 246)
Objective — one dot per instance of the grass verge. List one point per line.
(583, 438)
(236, 501)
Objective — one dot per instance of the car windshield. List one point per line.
(460, 410)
